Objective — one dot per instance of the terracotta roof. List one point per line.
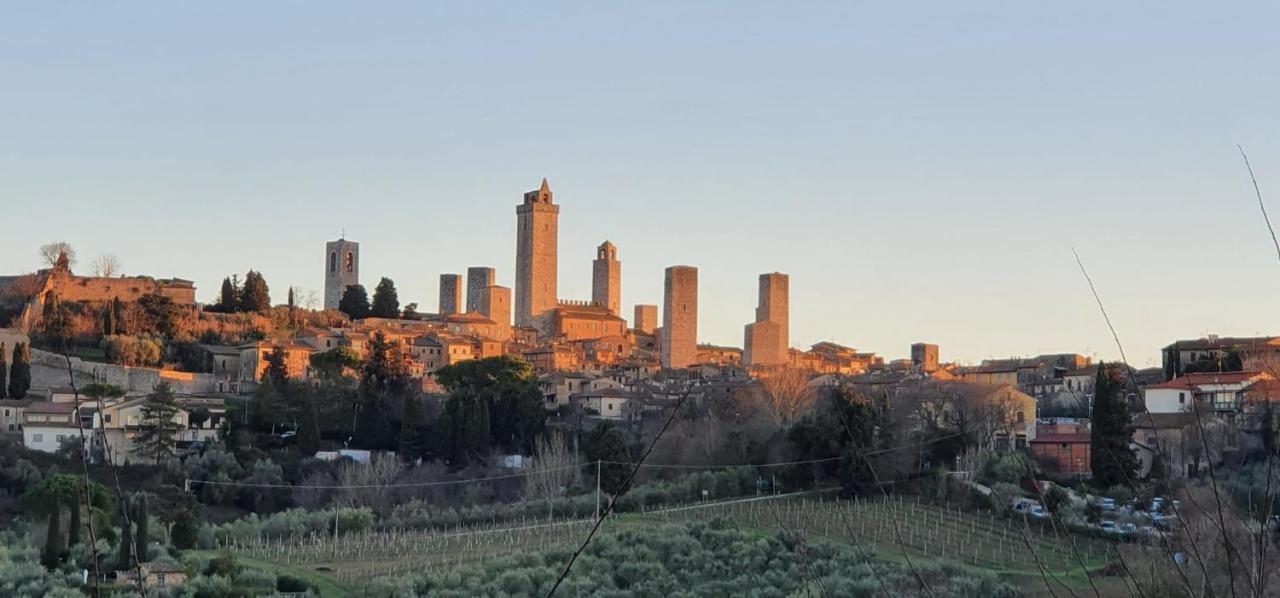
(1225, 342)
(1201, 379)
(468, 318)
(1161, 421)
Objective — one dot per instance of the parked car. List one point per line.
(1038, 512)
(1108, 526)
(1107, 504)
(1128, 528)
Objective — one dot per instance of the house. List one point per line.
(11, 415)
(474, 324)
(576, 320)
(1215, 353)
(608, 403)
(1063, 449)
(47, 425)
(155, 574)
(439, 349)
(554, 358)
(1220, 392)
(253, 359)
(1177, 445)
(224, 363)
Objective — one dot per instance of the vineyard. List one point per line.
(884, 526)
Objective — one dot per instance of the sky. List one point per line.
(922, 170)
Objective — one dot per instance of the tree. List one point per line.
(20, 371)
(124, 558)
(410, 312)
(185, 530)
(334, 365)
(255, 296)
(55, 323)
(509, 390)
(58, 253)
(159, 414)
(4, 371)
(277, 371)
(109, 327)
(54, 543)
(160, 312)
(292, 303)
(1112, 461)
(607, 444)
(354, 302)
(386, 302)
(106, 266)
(787, 394)
(142, 521)
(267, 409)
(229, 297)
(552, 468)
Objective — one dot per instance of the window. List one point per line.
(1182, 398)
(106, 417)
(37, 438)
(333, 261)
(351, 262)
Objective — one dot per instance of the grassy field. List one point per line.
(1029, 553)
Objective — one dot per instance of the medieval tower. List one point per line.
(450, 294)
(606, 278)
(479, 278)
(537, 220)
(680, 317)
(646, 318)
(341, 270)
(766, 339)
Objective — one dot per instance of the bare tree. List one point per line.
(365, 484)
(787, 394)
(50, 253)
(306, 298)
(552, 469)
(106, 265)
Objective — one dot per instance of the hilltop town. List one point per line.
(499, 402)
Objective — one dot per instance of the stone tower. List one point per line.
(766, 340)
(537, 220)
(924, 356)
(341, 270)
(479, 278)
(680, 317)
(495, 304)
(450, 294)
(606, 278)
(646, 318)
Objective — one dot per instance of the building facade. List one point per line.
(606, 278)
(341, 270)
(537, 222)
(646, 318)
(680, 317)
(924, 357)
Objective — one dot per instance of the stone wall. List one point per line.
(49, 370)
(68, 287)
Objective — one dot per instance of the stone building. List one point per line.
(577, 320)
(479, 278)
(606, 278)
(537, 222)
(450, 294)
(342, 269)
(924, 356)
(680, 317)
(646, 318)
(494, 302)
(766, 339)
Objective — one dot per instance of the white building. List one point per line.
(1221, 392)
(46, 425)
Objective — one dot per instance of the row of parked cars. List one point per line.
(1159, 516)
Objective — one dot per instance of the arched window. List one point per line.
(351, 262)
(333, 261)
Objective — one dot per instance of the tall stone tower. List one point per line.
(450, 294)
(495, 304)
(479, 278)
(537, 221)
(606, 278)
(341, 270)
(766, 339)
(924, 356)
(680, 317)
(646, 318)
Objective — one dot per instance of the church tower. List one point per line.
(606, 278)
(341, 270)
(537, 221)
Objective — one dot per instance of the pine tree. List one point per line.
(1112, 461)
(354, 302)
(386, 302)
(20, 371)
(606, 443)
(159, 425)
(4, 372)
(228, 299)
(142, 519)
(255, 295)
(53, 544)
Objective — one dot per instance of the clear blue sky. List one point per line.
(922, 170)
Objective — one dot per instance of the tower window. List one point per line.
(351, 262)
(333, 261)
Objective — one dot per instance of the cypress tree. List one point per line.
(124, 559)
(386, 301)
(227, 300)
(73, 533)
(109, 318)
(20, 371)
(1111, 460)
(255, 295)
(141, 537)
(292, 304)
(4, 372)
(354, 302)
(53, 547)
(118, 315)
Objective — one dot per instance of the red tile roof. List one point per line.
(1199, 379)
